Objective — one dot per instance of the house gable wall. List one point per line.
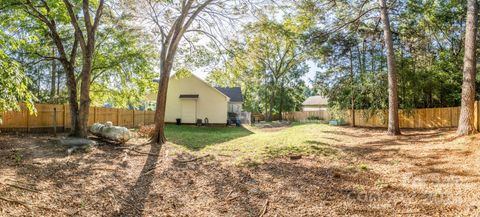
(210, 103)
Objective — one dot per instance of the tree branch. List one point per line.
(74, 21)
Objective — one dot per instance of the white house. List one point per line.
(190, 98)
(235, 104)
(315, 103)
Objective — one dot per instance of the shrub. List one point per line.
(313, 118)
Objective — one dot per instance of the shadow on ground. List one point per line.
(134, 202)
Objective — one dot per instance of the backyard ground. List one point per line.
(299, 170)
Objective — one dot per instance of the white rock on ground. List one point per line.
(77, 144)
(108, 131)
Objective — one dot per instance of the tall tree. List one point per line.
(275, 48)
(86, 39)
(466, 123)
(393, 123)
(56, 21)
(428, 39)
(172, 21)
(268, 64)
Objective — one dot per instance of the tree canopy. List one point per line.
(278, 53)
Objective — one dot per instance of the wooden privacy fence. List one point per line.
(414, 118)
(50, 115)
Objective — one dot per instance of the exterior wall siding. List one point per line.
(210, 104)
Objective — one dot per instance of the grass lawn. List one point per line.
(197, 138)
(252, 145)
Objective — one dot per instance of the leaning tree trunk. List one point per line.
(53, 76)
(159, 135)
(466, 122)
(170, 43)
(393, 125)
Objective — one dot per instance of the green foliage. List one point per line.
(13, 82)
(122, 72)
(428, 39)
(268, 66)
(183, 73)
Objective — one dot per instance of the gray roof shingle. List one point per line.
(235, 93)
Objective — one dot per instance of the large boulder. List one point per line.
(110, 132)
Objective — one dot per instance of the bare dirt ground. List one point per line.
(421, 173)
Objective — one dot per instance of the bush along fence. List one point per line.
(415, 118)
(57, 117)
(306, 115)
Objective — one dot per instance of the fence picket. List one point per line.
(18, 120)
(415, 118)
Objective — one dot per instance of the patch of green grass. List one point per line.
(363, 167)
(316, 149)
(250, 146)
(196, 138)
(17, 156)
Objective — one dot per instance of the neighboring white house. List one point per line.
(235, 104)
(190, 98)
(315, 103)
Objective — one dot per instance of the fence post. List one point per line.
(133, 117)
(55, 122)
(28, 124)
(64, 117)
(118, 122)
(94, 114)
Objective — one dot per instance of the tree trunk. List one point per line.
(53, 75)
(282, 90)
(393, 125)
(85, 95)
(159, 135)
(72, 98)
(353, 88)
(272, 102)
(466, 123)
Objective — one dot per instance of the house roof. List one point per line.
(235, 93)
(316, 100)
